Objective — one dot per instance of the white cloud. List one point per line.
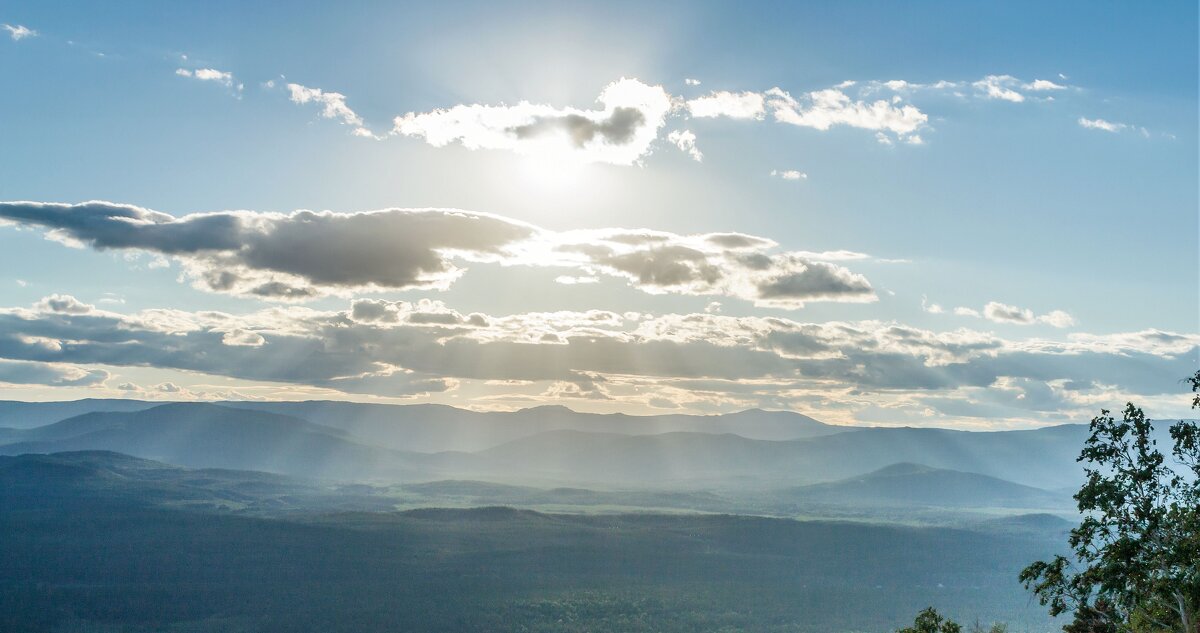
(743, 105)
(685, 140)
(333, 106)
(64, 304)
(1040, 85)
(824, 109)
(1057, 318)
(1101, 124)
(568, 280)
(691, 82)
(789, 174)
(1003, 313)
(18, 32)
(621, 132)
(1000, 87)
(208, 74)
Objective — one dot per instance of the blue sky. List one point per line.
(991, 216)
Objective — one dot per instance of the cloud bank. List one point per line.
(308, 254)
(402, 348)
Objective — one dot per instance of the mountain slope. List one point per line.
(211, 436)
(27, 415)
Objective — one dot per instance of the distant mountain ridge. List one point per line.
(435, 427)
(908, 484)
(544, 445)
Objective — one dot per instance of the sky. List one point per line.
(963, 215)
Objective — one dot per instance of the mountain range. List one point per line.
(356, 442)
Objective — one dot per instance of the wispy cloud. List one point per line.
(685, 140)
(213, 75)
(1003, 313)
(18, 32)
(1101, 124)
(333, 106)
(789, 174)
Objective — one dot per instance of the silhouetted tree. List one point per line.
(930, 621)
(1136, 556)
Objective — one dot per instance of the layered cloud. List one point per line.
(306, 254)
(403, 348)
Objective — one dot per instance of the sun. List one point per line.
(552, 171)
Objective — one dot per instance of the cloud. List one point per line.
(407, 348)
(999, 87)
(287, 256)
(308, 254)
(631, 113)
(18, 32)
(742, 105)
(789, 174)
(621, 132)
(1101, 124)
(207, 74)
(824, 109)
(691, 82)
(15, 372)
(1041, 85)
(215, 76)
(1004, 313)
(333, 106)
(685, 140)
(64, 303)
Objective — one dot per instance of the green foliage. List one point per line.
(930, 621)
(1135, 555)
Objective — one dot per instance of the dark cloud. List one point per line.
(618, 129)
(307, 254)
(815, 281)
(242, 250)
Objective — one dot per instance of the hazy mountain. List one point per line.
(26, 415)
(1044, 458)
(432, 427)
(211, 436)
(910, 485)
(331, 442)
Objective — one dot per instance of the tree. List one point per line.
(1136, 554)
(929, 621)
